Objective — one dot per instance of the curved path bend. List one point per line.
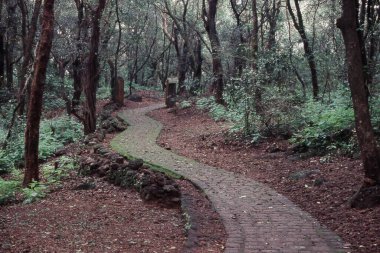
(256, 218)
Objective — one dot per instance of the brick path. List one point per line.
(256, 218)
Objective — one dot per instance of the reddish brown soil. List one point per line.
(192, 133)
(104, 219)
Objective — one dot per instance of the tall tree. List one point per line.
(309, 54)
(91, 71)
(209, 20)
(36, 95)
(349, 26)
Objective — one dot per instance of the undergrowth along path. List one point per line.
(256, 218)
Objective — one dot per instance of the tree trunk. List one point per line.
(2, 51)
(28, 43)
(91, 73)
(239, 61)
(369, 193)
(309, 54)
(36, 95)
(11, 41)
(111, 65)
(62, 64)
(182, 68)
(217, 67)
(255, 49)
(77, 63)
(117, 83)
(197, 68)
(77, 84)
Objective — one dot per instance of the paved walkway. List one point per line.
(256, 218)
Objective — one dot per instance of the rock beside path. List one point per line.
(103, 162)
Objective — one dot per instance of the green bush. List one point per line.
(320, 122)
(103, 92)
(51, 175)
(185, 104)
(8, 190)
(54, 134)
(36, 191)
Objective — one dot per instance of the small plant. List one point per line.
(34, 192)
(185, 104)
(54, 172)
(205, 103)
(8, 190)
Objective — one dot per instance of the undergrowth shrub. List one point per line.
(326, 126)
(54, 134)
(8, 190)
(52, 174)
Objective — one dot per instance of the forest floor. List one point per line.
(110, 219)
(321, 186)
(107, 218)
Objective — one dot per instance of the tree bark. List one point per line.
(11, 41)
(239, 62)
(255, 49)
(309, 54)
(36, 95)
(2, 51)
(197, 65)
(77, 63)
(28, 43)
(91, 73)
(348, 24)
(209, 20)
(117, 92)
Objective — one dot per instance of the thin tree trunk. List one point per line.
(77, 63)
(2, 51)
(348, 24)
(28, 43)
(91, 73)
(255, 49)
(197, 76)
(115, 87)
(36, 95)
(209, 20)
(11, 41)
(309, 54)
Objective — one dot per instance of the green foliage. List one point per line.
(34, 192)
(51, 173)
(185, 104)
(217, 111)
(103, 92)
(205, 103)
(8, 190)
(320, 122)
(54, 134)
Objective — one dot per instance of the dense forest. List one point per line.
(307, 71)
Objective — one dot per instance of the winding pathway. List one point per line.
(256, 218)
